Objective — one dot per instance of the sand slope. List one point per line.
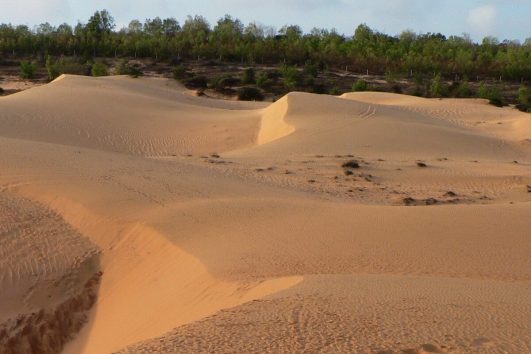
(232, 227)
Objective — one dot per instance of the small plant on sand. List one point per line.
(351, 164)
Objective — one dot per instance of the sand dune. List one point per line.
(232, 227)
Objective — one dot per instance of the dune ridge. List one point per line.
(214, 220)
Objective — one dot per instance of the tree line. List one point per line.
(229, 40)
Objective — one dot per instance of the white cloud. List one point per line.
(482, 19)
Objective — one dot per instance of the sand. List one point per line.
(139, 218)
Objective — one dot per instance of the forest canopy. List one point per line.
(365, 50)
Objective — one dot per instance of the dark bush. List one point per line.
(523, 108)
(221, 83)
(396, 88)
(497, 101)
(196, 82)
(250, 94)
(319, 89)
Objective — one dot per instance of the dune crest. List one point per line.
(273, 124)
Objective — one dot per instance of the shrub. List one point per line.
(437, 87)
(249, 76)
(310, 70)
(396, 88)
(65, 66)
(27, 69)
(497, 101)
(196, 82)
(222, 82)
(491, 93)
(483, 91)
(523, 95)
(124, 68)
(360, 85)
(51, 68)
(390, 77)
(99, 69)
(463, 90)
(180, 72)
(416, 91)
(290, 77)
(262, 79)
(335, 91)
(1, 91)
(250, 94)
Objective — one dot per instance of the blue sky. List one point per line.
(500, 18)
